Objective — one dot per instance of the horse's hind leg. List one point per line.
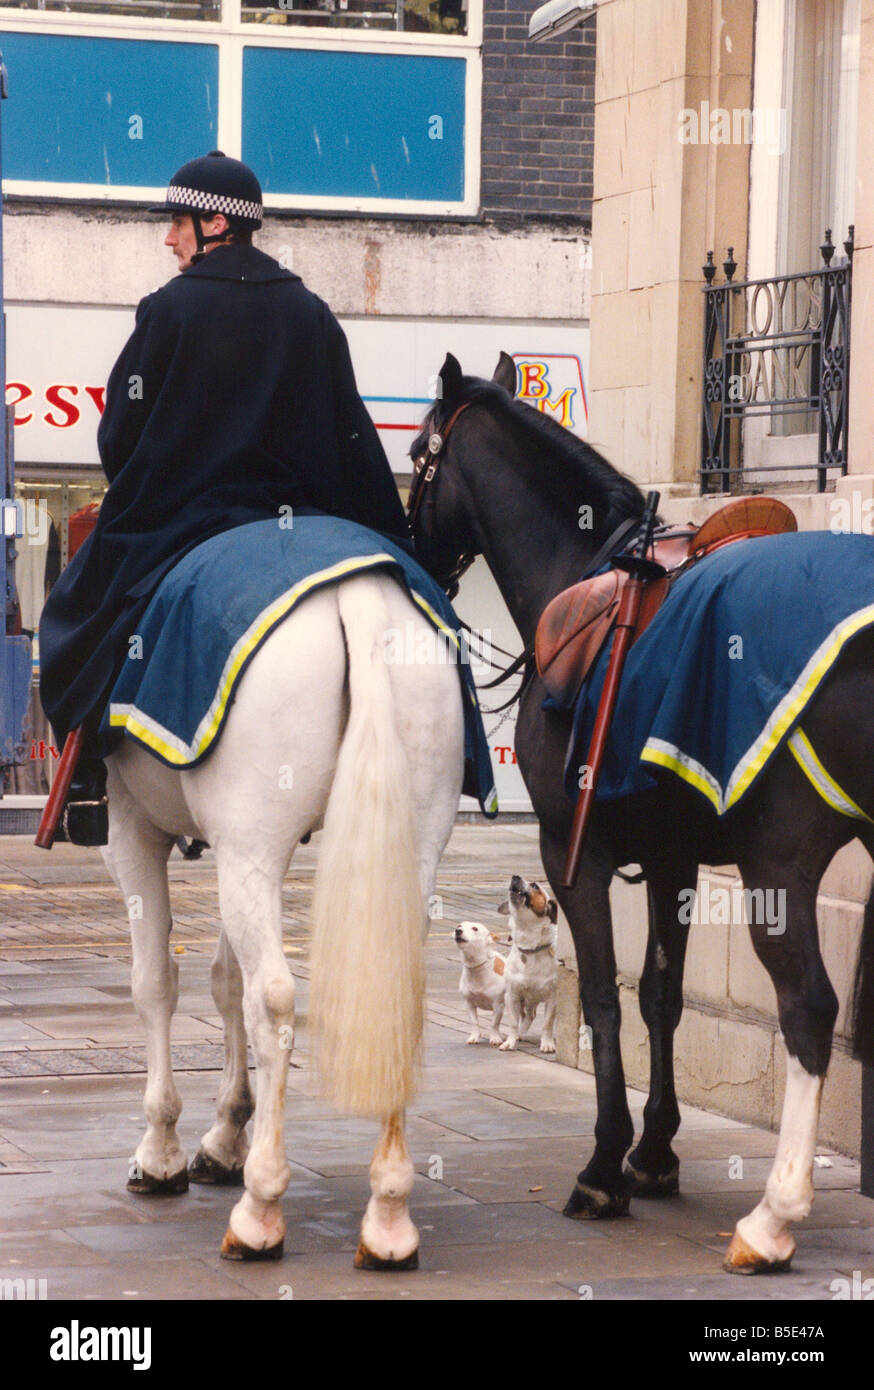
(224, 1148)
(602, 1189)
(389, 1240)
(251, 907)
(653, 1168)
(424, 699)
(137, 856)
(782, 912)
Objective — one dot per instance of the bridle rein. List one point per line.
(424, 472)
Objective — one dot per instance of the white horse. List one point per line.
(324, 731)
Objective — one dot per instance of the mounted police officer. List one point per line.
(233, 401)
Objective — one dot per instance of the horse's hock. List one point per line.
(729, 1056)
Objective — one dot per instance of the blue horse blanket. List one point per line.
(724, 673)
(222, 601)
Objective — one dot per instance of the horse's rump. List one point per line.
(723, 675)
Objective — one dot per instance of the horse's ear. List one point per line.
(449, 382)
(505, 373)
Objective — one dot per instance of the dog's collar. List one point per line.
(533, 950)
(488, 960)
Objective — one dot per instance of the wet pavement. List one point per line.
(497, 1138)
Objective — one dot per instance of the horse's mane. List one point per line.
(569, 468)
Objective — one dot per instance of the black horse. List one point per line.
(508, 483)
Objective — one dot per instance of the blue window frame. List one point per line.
(107, 107)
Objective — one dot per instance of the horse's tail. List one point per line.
(863, 1000)
(368, 974)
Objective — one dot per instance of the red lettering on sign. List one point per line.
(72, 412)
(24, 392)
(97, 394)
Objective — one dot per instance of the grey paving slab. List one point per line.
(715, 1175)
(15, 1030)
(706, 1287)
(45, 1249)
(34, 999)
(149, 1279)
(14, 1160)
(68, 1211)
(479, 1121)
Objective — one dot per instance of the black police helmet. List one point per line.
(215, 183)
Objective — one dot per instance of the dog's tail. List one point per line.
(368, 976)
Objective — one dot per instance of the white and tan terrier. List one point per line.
(532, 972)
(482, 977)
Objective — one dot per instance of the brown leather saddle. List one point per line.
(574, 627)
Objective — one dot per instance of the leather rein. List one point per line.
(425, 469)
(424, 472)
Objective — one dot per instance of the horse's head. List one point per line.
(442, 516)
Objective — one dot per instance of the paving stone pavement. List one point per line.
(496, 1138)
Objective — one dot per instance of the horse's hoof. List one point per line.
(653, 1185)
(234, 1249)
(149, 1186)
(365, 1259)
(741, 1258)
(593, 1204)
(208, 1170)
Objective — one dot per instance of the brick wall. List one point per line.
(538, 116)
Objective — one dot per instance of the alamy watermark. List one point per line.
(715, 125)
(25, 519)
(717, 905)
(416, 644)
(852, 515)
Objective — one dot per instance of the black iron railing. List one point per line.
(778, 347)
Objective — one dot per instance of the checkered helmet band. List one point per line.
(182, 197)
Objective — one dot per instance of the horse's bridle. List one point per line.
(422, 477)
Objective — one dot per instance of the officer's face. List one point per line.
(182, 241)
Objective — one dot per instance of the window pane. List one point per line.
(410, 16)
(153, 9)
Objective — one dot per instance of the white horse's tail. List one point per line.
(368, 976)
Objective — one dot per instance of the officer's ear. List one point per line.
(450, 380)
(217, 225)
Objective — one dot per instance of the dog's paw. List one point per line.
(495, 1040)
(547, 1045)
(474, 1038)
(508, 1045)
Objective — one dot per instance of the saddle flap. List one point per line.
(571, 632)
(576, 624)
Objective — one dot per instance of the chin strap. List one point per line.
(202, 241)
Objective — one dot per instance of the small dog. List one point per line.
(482, 977)
(532, 973)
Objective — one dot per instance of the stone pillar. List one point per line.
(660, 201)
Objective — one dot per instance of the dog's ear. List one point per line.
(504, 909)
(552, 910)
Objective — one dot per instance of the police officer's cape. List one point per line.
(234, 399)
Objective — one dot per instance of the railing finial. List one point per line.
(850, 243)
(709, 270)
(827, 250)
(730, 265)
